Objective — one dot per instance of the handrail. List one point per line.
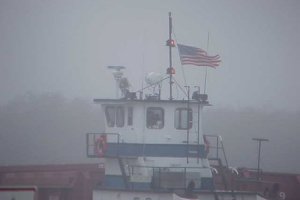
(146, 166)
(219, 140)
(157, 174)
(219, 145)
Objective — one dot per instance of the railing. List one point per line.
(215, 145)
(91, 140)
(166, 177)
(115, 148)
(216, 153)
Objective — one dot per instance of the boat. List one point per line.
(154, 148)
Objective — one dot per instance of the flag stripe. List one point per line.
(202, 57)
(195, 56)
(197, 61)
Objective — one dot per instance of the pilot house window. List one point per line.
(130, 116)
(155, 118)
(110, 116)
(114, 116)
(183, 118)
(120, 116)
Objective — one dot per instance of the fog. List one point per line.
(238, 127)
(54, 54)
(45, 129)
(65, 46)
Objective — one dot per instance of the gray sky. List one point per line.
(64, 47)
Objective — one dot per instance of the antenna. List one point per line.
(117, 73)
(206, 66)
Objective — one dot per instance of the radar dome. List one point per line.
(153, 78)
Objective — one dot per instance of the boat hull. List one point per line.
(140, 195)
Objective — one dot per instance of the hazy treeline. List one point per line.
(44, 129)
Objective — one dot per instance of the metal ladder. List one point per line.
(217, 158)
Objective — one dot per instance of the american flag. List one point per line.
(196, 56)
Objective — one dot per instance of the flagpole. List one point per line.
(206, 66)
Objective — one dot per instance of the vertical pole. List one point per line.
(259, 140)
(258, 162)
(188, 123)
(170, 56)
(198, 132)
(217, 147)
(206, 66)
(198, 127)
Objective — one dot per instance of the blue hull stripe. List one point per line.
(153, 150)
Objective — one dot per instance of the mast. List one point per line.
(117, 73)
(170, 43)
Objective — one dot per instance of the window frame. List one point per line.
(179, 121)
(120, 116)
(152, 123)
(130, 116)
(115, 116)
(110, 116)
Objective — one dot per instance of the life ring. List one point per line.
(101, 146)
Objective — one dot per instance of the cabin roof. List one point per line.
(204, 103)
